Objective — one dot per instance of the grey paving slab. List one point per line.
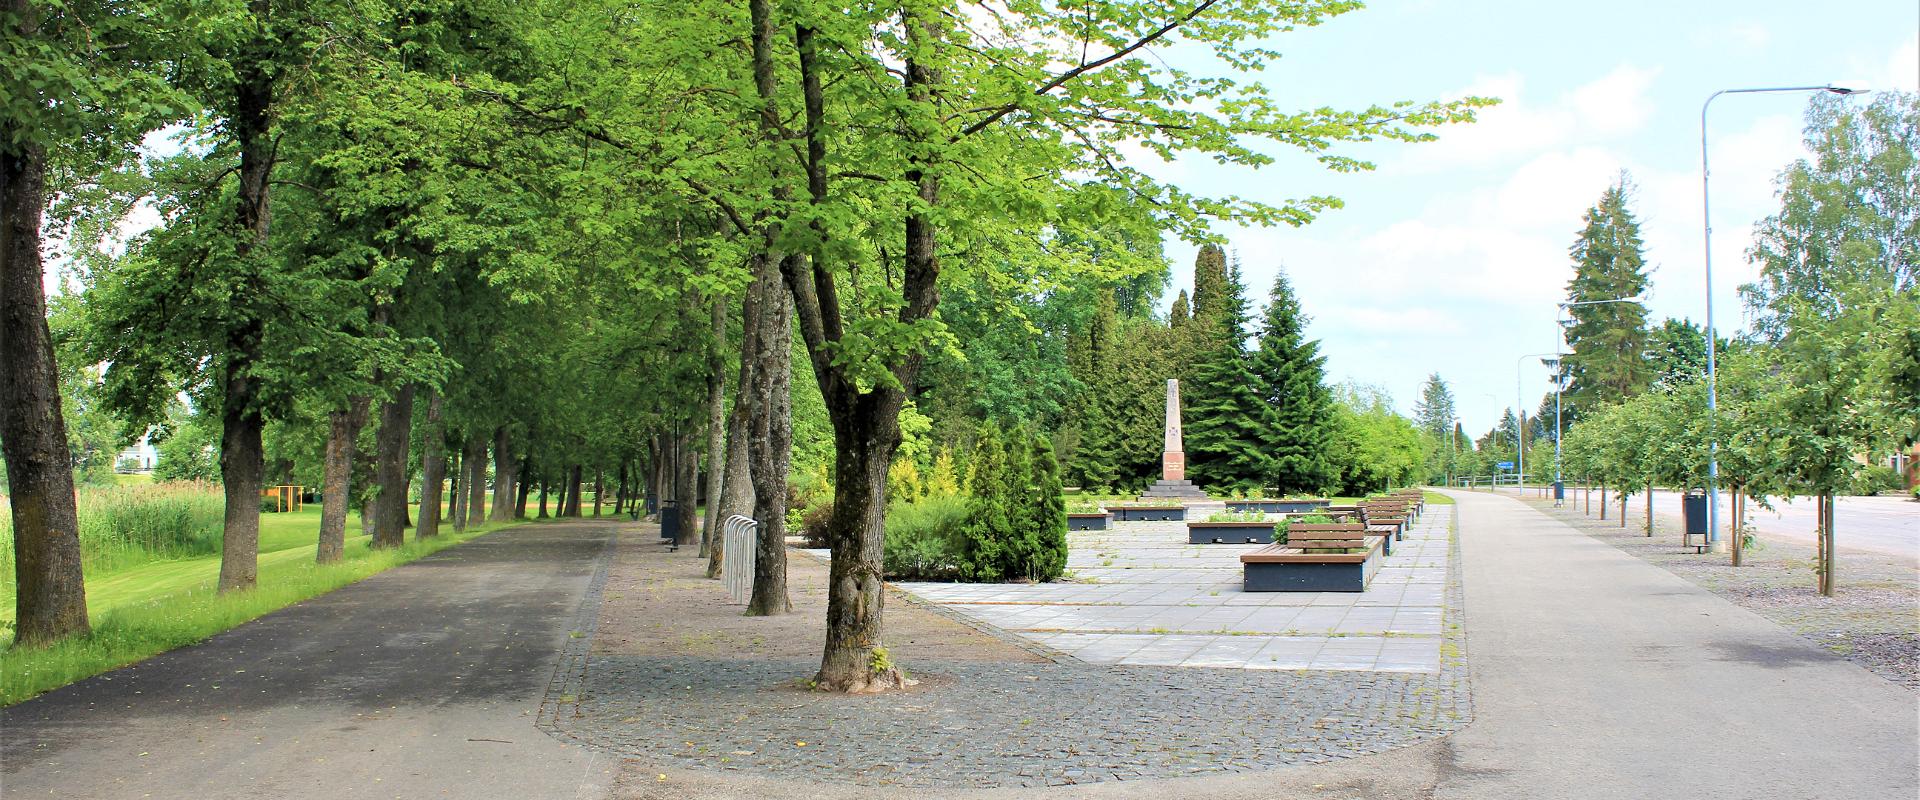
(1141, 595)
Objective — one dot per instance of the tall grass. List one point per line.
(124, 526)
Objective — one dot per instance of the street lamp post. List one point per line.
(1560, 376)
(1706, 219)
(1520, 424)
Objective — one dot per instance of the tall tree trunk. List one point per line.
(770, 447)
(620, 490)
(866, 433)
(343, 430)
(502, 509)
(571, 496)
(736, 488)
(543, 502)
(50, 601)
(476, 461)
(1829, 559)
(1603, 501)
(1622, 495)
(457, 486)
(716, 427)
(521, 485)
(1736, 540)
(433, 468)
(686, 489)
(599, 484)
(1649, 510)
(392, 445)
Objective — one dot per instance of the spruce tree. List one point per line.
(1606, 341)
(1290, 375)
(1177, 318)
(1226, 418)
(1434, 414)
(1095, 458)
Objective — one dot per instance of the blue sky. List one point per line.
(1451, 255)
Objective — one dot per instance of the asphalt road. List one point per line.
(419, 682)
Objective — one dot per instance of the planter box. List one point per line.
(1089, 521)
(1277, 506)
(1148, 513)
(1277, 568)
(1229, 533)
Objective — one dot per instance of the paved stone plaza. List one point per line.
(1145, 597)
(1296, 678)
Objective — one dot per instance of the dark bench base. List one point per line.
(1298, 576)
(1087, 522)
(1260, 533)
(1175, 514)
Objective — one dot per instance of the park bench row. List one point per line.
(1342, 556)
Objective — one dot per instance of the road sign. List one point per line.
(1506, 465)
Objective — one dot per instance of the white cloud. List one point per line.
(1609, 107)
(1903, 68)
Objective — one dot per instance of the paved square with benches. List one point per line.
(1142, 595)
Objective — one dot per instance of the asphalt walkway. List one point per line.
(1597, 675)
(420, 682)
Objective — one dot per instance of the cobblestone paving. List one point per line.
(988, 724)
(1149, 598)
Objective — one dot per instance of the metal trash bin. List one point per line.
(1559, 491)
(669, 521)
(1693, 507)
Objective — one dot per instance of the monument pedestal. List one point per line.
(1179, 488)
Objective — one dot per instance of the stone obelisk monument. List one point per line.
(1173, 457)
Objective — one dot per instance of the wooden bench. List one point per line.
(1339, 557)
(1386, 517)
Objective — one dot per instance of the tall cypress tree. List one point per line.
(1606, 340)
(1225, 416)
(1046, 527)
(1290, 374)
(984, 535)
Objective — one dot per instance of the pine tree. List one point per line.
(1177, 318)
(1606, 341)
(1290, 374)
(1226, 417)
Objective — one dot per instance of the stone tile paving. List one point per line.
(1116, 710)
(1143, 596)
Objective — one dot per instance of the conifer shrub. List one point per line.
(923, 538)
(1016, 528)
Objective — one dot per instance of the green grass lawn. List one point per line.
(144, 610)
(1436, 498)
